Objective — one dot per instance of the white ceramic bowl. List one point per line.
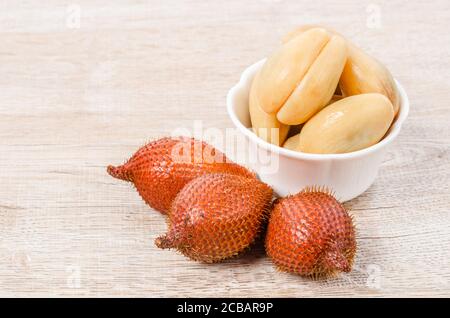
(347, 175)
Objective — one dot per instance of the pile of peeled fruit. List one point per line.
(319, 93)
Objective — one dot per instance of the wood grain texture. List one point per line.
(73, 100)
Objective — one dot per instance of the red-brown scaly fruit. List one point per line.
(216, 216)
(311, 234)
(160, 169)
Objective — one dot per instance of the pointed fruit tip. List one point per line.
(118, 172)
(164, 242)
(337, 261)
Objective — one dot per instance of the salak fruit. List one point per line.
(160, 169)
(216, 216)
(311, 234)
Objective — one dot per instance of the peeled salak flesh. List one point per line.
(216, 216)
(311, 234)
(362, 73)
(300, 77)
(317, 86)
(160, 169)
(350, 124)
(266, 126)
(292, 142)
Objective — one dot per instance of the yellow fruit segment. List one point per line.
(266, 126)
(317, 86)
(335, 98)
(362, 73)
(292, 143)
(284, 70)
(351, 124)
(341, 98)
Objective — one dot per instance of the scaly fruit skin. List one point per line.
(160, 169)
(311, 234)
(216, 216)
(265, 126)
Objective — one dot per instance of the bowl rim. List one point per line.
(393, 131)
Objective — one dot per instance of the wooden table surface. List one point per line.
(84, 83)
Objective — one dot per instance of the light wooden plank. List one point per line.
(76, 99)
